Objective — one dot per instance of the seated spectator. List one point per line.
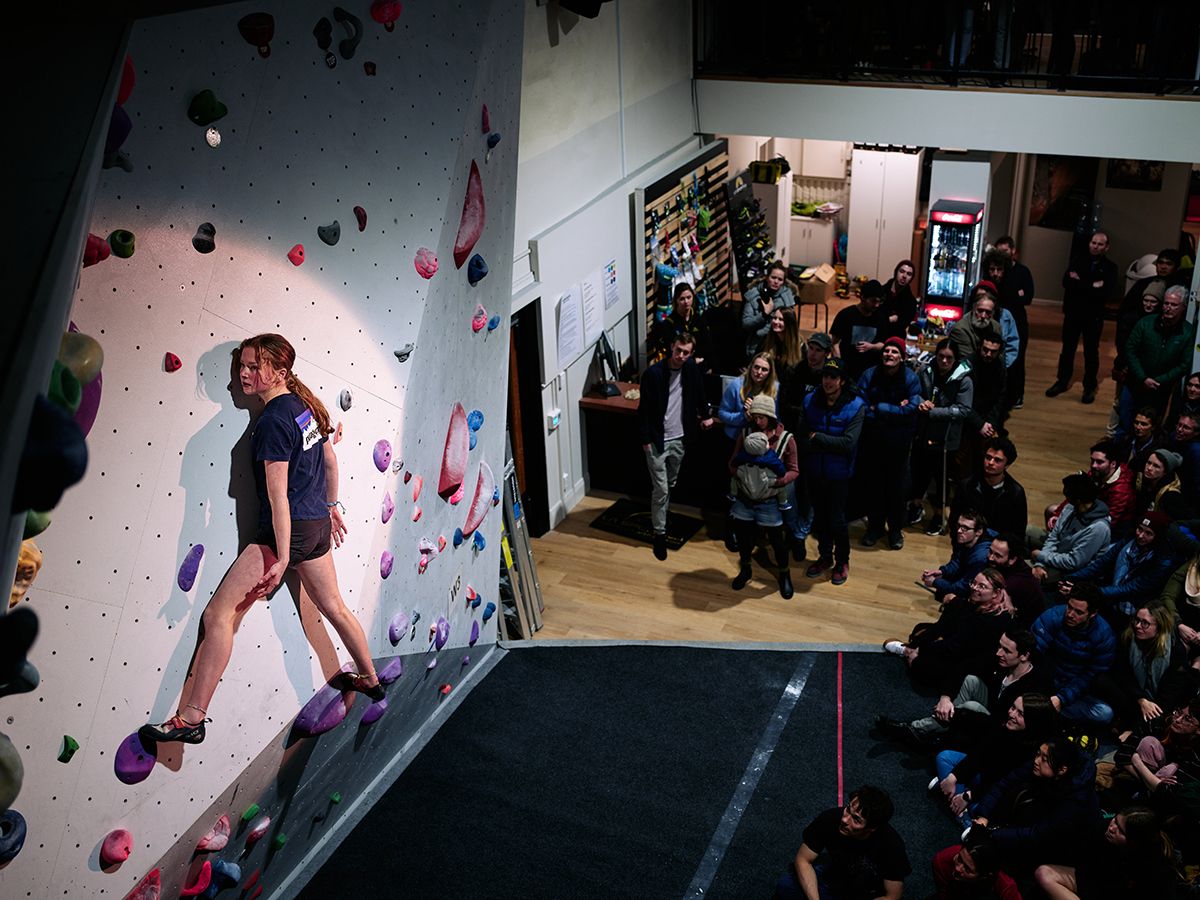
(684, 319)
(1079, 533)
(1023, 588)
(1130, 858)
(1149, 651)
(971, 871)
(849, 853)
(1130, 570)
(1157, 478)
(892, 393)
(1077, 644)
(971, 538)
(1168, 763)
(784, 342)
(899, 307)
(860, 331)
(977, 696)
(963, 639)
(1189, 403)
(762, 299)
(1038, 813)
(1144, 437)
(735, 401)
(948, 390)
(1115, 484)
(1159, 354)
(1186, 442)
(995, 493)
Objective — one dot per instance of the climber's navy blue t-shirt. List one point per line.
(287, 430)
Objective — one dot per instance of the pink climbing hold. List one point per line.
(386, 12)
(457, 496)
(257, 29)
(386, 561)
(117, 846)
(148, 888)
(422, 564)
(445, 689)
(388, 507)
(216, 838)
(470, 593)
(133, 761)
(128, 80)
(454, 456)
(470, 226)
(258, 828)
(361, 215)
(337, 433)
(200, 882)
(481, 504)
(418, 482)
(296, 254)
(480, 319)
(96, 250)
(416, 513)
(441, 544)
(171, 362)
(426, 263)
(487, 120)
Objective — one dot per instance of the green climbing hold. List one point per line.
(280, 840)
(64, 389)
(35, 523)
(205, 108)
(250, 813)
(70, 745)
(121, 242)
(335, 797)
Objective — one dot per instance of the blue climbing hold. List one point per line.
(475, 602)
(12, 835)
(495, 495)
(190, 568)
(475, 419)
(225, 874)
(493, 139)
(471, 441)
(493, 323)
(477, 269)
(489, 610)
(478, 540)
(458, 537)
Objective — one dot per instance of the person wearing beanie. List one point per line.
(1159, 477)
(892, 394)
(1088, 283)
(860, 331)
(760, 484)
(1149, 302)
(1158, 354)
(1079, 534)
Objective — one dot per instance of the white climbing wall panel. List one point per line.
(301, 145)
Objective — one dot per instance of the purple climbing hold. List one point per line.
(474, 634)
(441, 632)
(392, 671)
(386, 561)
(134, 761)
(489, 610)
(493, 323)
(466, 660)
(477, 269)
(326, 710)
(479, 540)
(432, 664)
(493, 139)
(191, 565)
(475, 419)
(374, 712)
(382, 454)
(388, 507)
(458, 537)
(398, 627)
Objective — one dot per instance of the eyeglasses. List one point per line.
(1183, 715)
(961, 527)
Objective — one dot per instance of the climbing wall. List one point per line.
(230, 199)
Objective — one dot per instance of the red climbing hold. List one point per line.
(171, 362)
(252, 880)
(199, 884)
(470, 227)
(128, 80)
(96, 250)
(148, 888)
(369, 68)
(482, 502)
(445, 689)
(386, 12)
(257, 893)
(296, 254)
(359, 212)
(487, 120)
(454, 456)
(426, 263)
(258, 29)
(117, 846)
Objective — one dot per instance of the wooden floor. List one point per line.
(597, 585)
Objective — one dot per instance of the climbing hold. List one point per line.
(69, 746)
(225, 874)
(200, 881)
(323, 32)
(251, 811)
(489, 610)
(386, 560)
(337, 433)
(441, 632)
(35, 523)
(82, 354)
(65, 389)
(475, 603)
(257, 29)
(128, 80)
(369, 68)
(441, 543)
(205, 108)
(398, 627)
(12, 772)
(280, 840)
(477, 269)
(454, 455)
(374, 712)
(458, 537)
(256, 894)
(475, 419)
(345, 399)
(422, 565)
(296, 255)
(474, 634)
(473, 440)
(191, 565)
(204, 240)
(493, 323)
(485, 484)
(354, 29)
(480, 319)
(470, 226)
(116, 847)
(212, 137)
(486, 120)
(29, 563)
(407, 477)
(134, 761)
(382, 454)
(397, 465)
(216, 838)
(148, 888)
(426, 546)
(418, 482)
(493, 140)
(258, 828)
(387, 508)
(392, 671)
(327, 707)
(122, 243)
(404, 352)
(54, 455)
(386, 12)
(432, 664)
(495, 495)
(426, 263)
(330, 234)
(466, 661)
(478, 540)
(444, 689)
(416, 513)
(89, 405)
(361, 215)
(95, 250)
(471, 593)
(119, 127)
(12, 835)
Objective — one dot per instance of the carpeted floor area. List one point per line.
(608, 771)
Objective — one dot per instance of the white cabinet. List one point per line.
(811, 241)
(883, 210)
(824, 159)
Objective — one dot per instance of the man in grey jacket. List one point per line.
(1079, 534)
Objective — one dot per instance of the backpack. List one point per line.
(755, 482)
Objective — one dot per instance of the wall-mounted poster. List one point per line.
(1062, 190)
(1135, 174)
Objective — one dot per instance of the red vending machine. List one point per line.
(955, 248)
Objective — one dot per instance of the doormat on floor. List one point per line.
(631, 519)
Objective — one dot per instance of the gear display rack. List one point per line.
(752, 250)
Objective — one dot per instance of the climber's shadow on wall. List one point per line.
(221, 512)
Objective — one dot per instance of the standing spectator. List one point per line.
(801, 381)
(684, 319)
(971, 871)
(1114, 483)
(1078, 645)
(1080, 532)
(759, 379)
(832, 423)
(1159, 354)
(671, 413)
(995, 493)
(980, 321)
(1129, 317)
(1087, 285)
(892, 393)
(971, 541)
(1023, 588)
(1016, 293)
(987, 406)
(849, 853)
(784, 343)
(1166, 272)
(949, 392)
(899, 306)
(762, 299)
(860, 331)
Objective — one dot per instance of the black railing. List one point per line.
(1146, 47)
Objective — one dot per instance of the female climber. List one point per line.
(295, 473)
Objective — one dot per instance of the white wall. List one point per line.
(302, 144)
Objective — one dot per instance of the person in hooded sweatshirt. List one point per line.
(1079, 533)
